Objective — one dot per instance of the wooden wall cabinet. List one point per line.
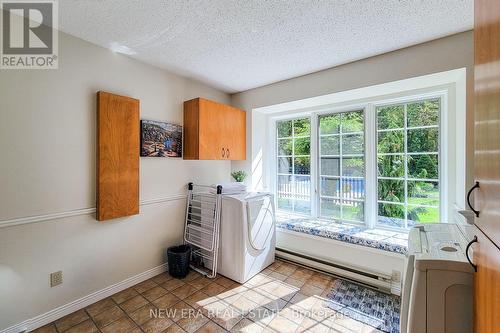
(487, 162)
(486, 285)
(213, 131)
(117, 156)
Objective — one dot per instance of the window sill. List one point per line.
(391, 241)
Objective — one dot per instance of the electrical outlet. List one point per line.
(56, 278)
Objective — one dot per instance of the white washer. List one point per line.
(438, 288)
(247, 235)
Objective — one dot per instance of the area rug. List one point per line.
(366, 305)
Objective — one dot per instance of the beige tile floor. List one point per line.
(283, 298)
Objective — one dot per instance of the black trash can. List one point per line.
(178, 260)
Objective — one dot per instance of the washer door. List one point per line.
(260, 221)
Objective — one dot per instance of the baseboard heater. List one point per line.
(377, 281)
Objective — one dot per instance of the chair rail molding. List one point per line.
(77, 212)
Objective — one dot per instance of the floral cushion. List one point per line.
(391, 241)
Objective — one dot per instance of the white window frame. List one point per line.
(370, 151)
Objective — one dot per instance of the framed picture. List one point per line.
(160, 139)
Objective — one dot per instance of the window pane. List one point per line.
(391, 166)
(284, 128)
(301, 127)
(330, 187)
(302, 186)
(352, 144)
(353, 188)
(302, 146)
(352, 121)
(284, 165)
(330, 145)
(391, 215)
(390, 117)
(354, 167)
(423, 166)
(302, 165)
(353, 210)
(391, 190)
(303, 206)
(424, 113)
(330, 166)
(423, 140)
(284, 147)
(423, 193)
(285, 184)
(330, 208)
(284, 203)
(422, 215)
(329, 124)
(391, 142)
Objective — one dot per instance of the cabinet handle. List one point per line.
(476, 212)
(223, 153)
(228, 152)
(467, 252)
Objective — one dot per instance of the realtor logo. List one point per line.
(29, 34)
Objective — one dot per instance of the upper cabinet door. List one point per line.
(487, 117)
(211, 134)
(213, 131)
(235, 141)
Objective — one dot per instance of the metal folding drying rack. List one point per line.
(201, 229)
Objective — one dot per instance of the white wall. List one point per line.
(440, 55)
(47, 149)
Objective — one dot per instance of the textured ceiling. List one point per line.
(238, 45)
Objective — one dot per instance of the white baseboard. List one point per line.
(48, 317)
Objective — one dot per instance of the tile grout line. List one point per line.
(92, 319)
(148, 303)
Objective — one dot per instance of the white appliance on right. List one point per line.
(438, 286)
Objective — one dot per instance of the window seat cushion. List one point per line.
(386, 240)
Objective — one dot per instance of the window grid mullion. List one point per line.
(371, 186)
(434, 180)
(341, 165)
(318, 161)
(410, 153)
(338, 177)
(313, 170)
(406, 164)
(293, 166)
(407, 127)
(345, 155)
(346, 133)
(339, 198)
